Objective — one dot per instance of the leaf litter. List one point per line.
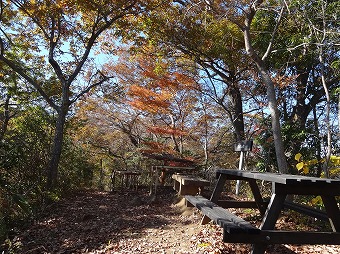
(96, 222)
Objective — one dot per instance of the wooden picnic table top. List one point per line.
(276, 177)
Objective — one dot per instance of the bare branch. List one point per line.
(270, 45)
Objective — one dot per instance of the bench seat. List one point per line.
(231, 224)
(285, 237)
(237, 230)
(189, 184)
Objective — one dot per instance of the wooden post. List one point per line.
(240, 167)
(152, 175)
(243, 147)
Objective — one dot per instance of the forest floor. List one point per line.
(130, 222)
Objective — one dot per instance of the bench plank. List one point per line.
(230, 222)
(277, 177)
(239, 204)
(190, 180)
(189, 184)
(284, 237)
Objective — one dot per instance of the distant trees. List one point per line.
(48, 44)
(278, 42)
(211, 47)
(240, 67)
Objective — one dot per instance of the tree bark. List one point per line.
(272, 103)
(328, 109)
(237, 111)
(52, 170)
(6, 117)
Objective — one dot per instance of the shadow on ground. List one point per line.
(90, 220)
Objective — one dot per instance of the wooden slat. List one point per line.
(238, 204)
(221, 216)
(275, 177)
(190, 180)
(194, 181)
(307, 189)
(283, 237)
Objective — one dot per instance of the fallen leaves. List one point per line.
(102, 222)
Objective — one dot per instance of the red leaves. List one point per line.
(166, 130)
(148, 100)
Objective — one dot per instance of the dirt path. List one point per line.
(102, 222)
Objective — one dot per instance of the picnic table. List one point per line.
(237, 230)
(189, 184)
(159, 173)
(127, 178)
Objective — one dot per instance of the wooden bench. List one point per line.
(128, 179)
(234, 228)
(189, 184)
(237, 230)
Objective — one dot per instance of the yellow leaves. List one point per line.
(317, 201)
(335, 160)
(313, 162)
(298, 156)
(300, 165)
(304, 166)
(204, 245)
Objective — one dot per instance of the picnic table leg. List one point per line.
(257, 196)
(218, 188)
(258, 249)
(152, 180)
(113, 179)
(271, 215)
(333, 212)
(215, 194)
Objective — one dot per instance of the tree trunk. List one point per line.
(237, 111)
(275, 117)
(52, 170)
(328, 109)
(6, 117)
(317, 143)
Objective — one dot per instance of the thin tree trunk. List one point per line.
(339, 112)
(328, 109)
(6, 117)
(323, 80)
(52, 170)
(275, 117)
(317, 142)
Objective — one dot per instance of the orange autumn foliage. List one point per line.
(166, 130)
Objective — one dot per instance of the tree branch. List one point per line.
(270, 45)
(15, 67)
